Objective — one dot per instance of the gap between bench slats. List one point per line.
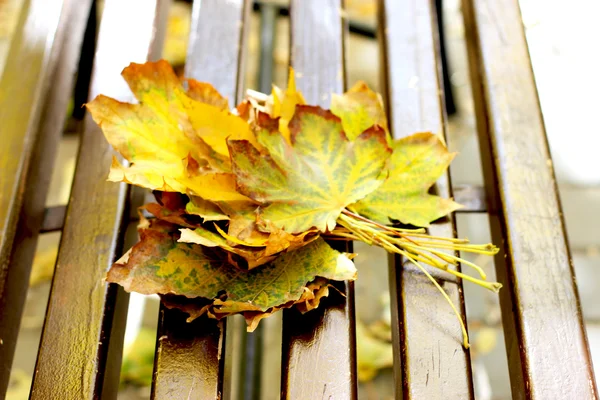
(319, 348)
(85, 320)
(190, 359)
(430, 362)
(58, 68)
(545, 337)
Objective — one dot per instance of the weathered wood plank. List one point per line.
(319, 359)
(430, 362)
(189, 358)
(42, 52)
(545, 337)
(23, 87)
(81, 334)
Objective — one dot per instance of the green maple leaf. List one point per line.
(416, 164)
(160, 264)
(309, 182)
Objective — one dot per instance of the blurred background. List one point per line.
(561, 37)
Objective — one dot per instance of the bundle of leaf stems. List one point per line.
(416, 246)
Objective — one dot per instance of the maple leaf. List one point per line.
(255, 253)
(206, 93)
(284, 104)
(359, 109)
(159, 263)
(309, 182)
(310, 299)
(157, 87)
(208, 210)
(415, 165)
(182, 210)
(176, 139)
(171, 200)
(244, 227)
(179, 217)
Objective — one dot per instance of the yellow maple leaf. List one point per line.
(284, 104)
(169, 127)
(359, 109)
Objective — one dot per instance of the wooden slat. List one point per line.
(188, 358)
(189, 362)
(81, 334)
(23, 87)
(58, 68)
(545, 337)
(218, 42)
(430, 362)
(319, 360)
(22, 95)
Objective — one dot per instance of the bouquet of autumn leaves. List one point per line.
(248, 198)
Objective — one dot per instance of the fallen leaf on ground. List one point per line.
(372, 354)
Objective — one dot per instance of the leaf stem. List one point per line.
(418, 247)
(377, 224)
(457, 259)
(445, 239)
(366, 230)
(443, 292)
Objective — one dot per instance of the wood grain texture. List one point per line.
(430, 362)
(319, 359)
(57, 67)
(218, 42)
(189, 358)
(23, 88)
(81, 334)
(22, 94)
(545, 336)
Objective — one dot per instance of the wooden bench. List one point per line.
(81, 346)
